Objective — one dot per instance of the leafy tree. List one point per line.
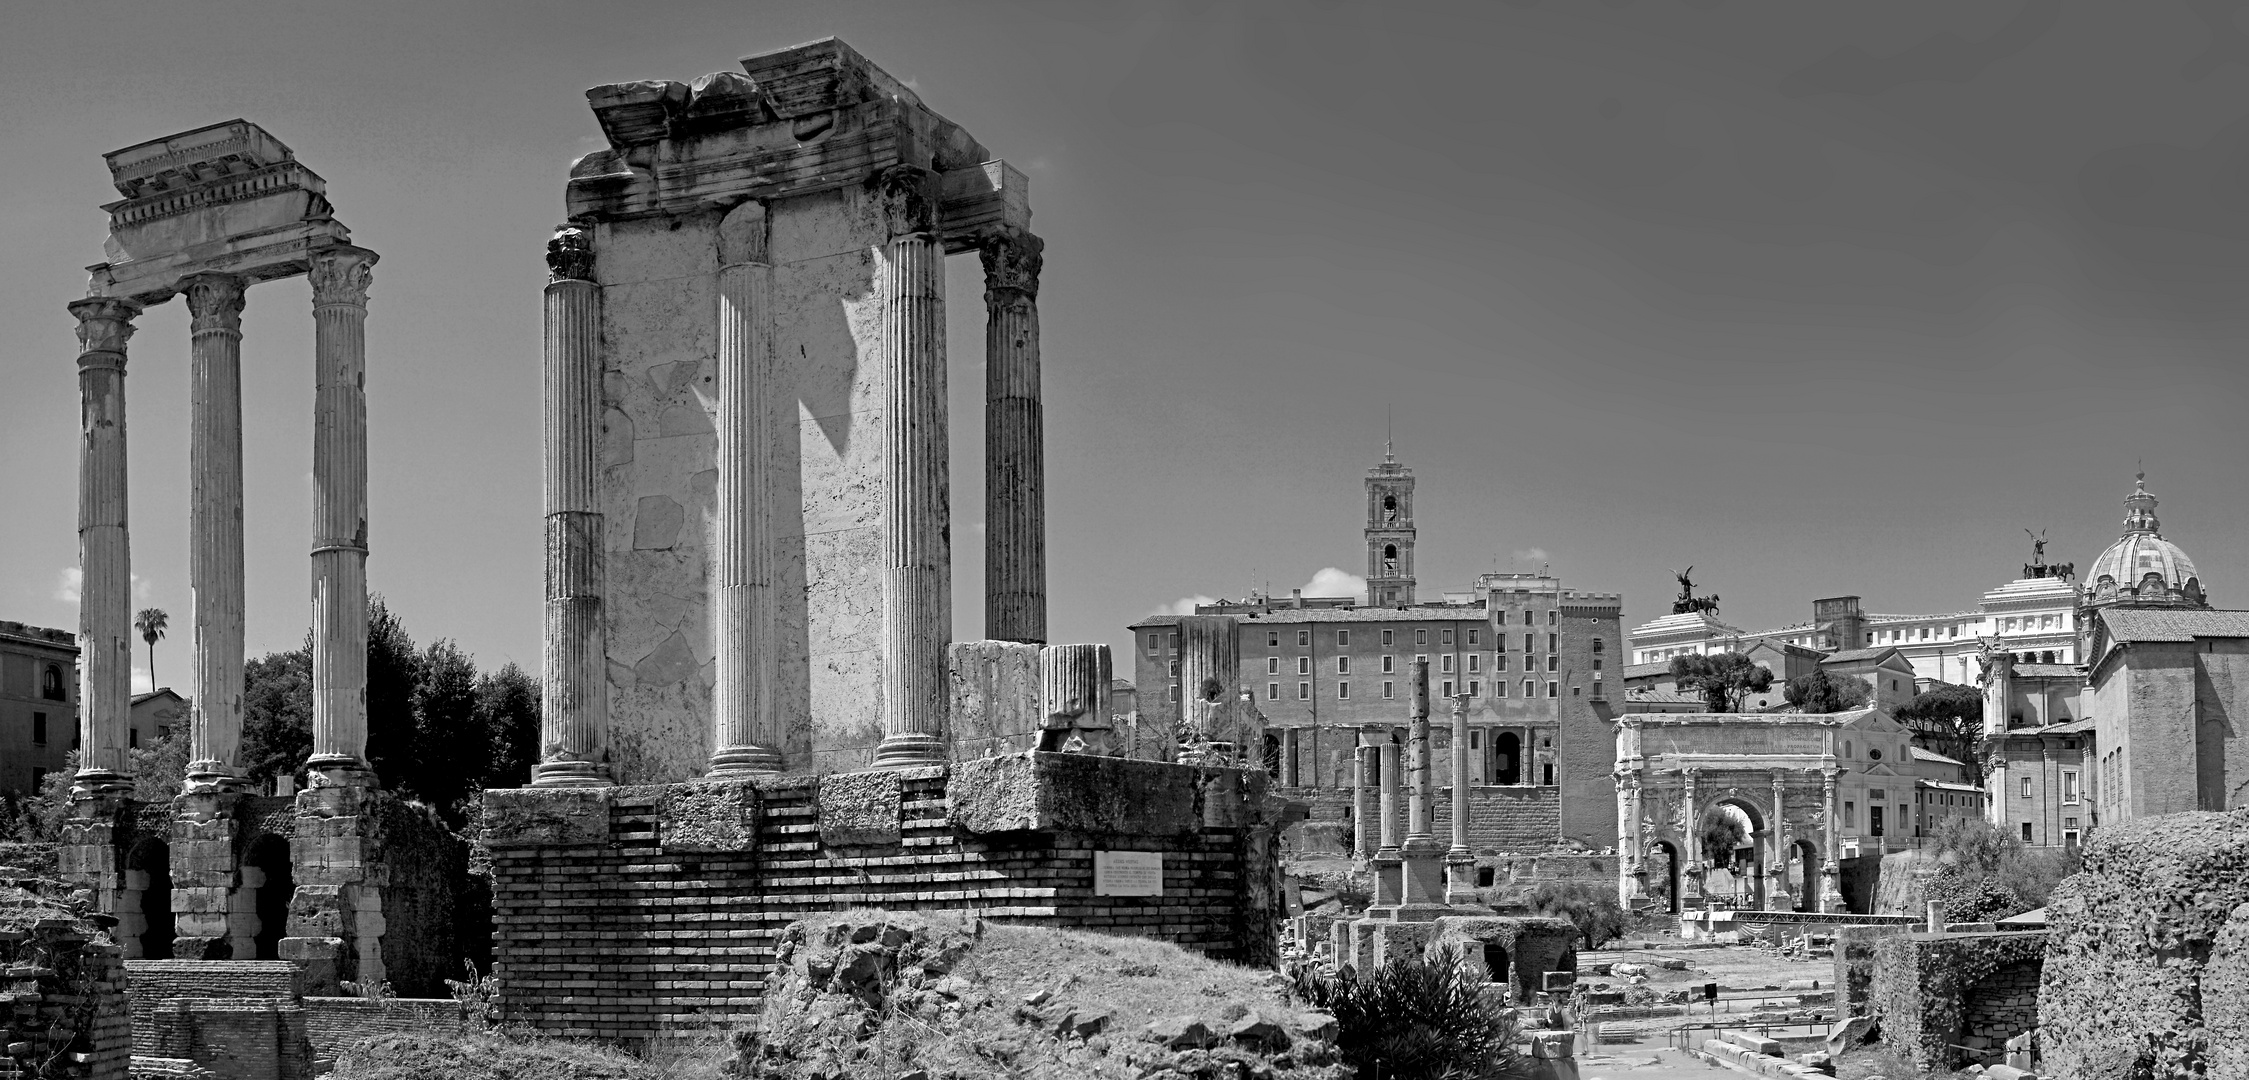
(1723, 679)
(159, 767)
(507, 713)
(449, 750)
(394, 669)
(1722, 835)
(1985, 873)
(277, 714)
(1820, 692)
(1595, 912)
(1946, 718)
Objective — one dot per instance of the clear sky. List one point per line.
(1819, 297)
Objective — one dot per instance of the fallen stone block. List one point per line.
(1752, 1042)
(1181, 1033)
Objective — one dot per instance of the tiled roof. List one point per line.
(1853, 656)
(1641, 671)
(2131, 624)
(2046, 671)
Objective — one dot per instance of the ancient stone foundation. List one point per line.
(625, 913)
(67, 1020)
(2145, 974)
(1934, 994)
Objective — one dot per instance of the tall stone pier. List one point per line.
(749, 537)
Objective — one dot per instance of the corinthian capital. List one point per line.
(570, 254)
(1012, 261)
(908, 195)
(214, 302)
(104, 322)
(341, 275)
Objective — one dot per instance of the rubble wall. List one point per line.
(65, 985)
(627, 912)
(2225, 997)
(1934, 993)
(2125, 990)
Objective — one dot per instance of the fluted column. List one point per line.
(105, 588)
(1386, 768)
(574, 688)
(748, 738)
(916, 600)
(214, 305)
(340, 278)
(1014, 442)
(1830, 894)
(1362, 809)
(1459, 849)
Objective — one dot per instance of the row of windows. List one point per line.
(1390, 664)
(1475, 688)
(1472, 636)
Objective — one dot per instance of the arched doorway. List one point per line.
(1731, 838)
(148, 892)
(1664, 886)
(1808, 876)
(1509, 758)
(269, 859)
(1495, 962)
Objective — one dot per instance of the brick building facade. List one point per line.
(38, 704)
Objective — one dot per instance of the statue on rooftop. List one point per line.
(1688, 601)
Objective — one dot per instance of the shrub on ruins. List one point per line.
(1820, 692)
(1594, 911)
(1984, 873)
(423, 1055)
(1723, 679)
(1414, 1017)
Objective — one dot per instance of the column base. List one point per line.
(338, 770)
(99, 783)
(570, 774)
(213, 778)
(910, 751)
(1389, 878)
(1460, 878)
(732, 762)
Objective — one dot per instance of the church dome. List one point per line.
(2141, 565)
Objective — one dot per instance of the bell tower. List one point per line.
(1390, 532)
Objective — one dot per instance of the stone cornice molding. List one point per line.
(341, 275)
(570, 254)
(214, 303)
(104, 325)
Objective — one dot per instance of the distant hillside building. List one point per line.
(1537, 661)
(38, 704)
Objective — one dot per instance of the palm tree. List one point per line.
(151, 622)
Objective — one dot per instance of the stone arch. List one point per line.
(144, 914)
(1671, 865)
(266, 871)
(1808, 880)
(1760, 839)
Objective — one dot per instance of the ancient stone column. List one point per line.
(105, 588)
(1210, 676)
(1690, 877)
(340, 277)
(749, 739)
(916, 595)
(1386, 765)
(1459, 849)
(214, 305)
(1417, 758)
(1830, 892)
(574, 695)
(1014, 442)
(1362, 808)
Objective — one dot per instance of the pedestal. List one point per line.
(213, 916)
(1460, 880)
(371, 871)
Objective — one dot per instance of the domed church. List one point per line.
(2142, 569)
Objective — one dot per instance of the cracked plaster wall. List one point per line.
(660, 475)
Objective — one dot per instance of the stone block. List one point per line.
(862, 808)
(994, 698)
(1752, 1042)
(547, 817)
(1074, 793)
(712, 817)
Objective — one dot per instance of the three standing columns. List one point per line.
(214, 305)
(916, 597)
(749, 738)
(574, 696)
(1014, 442)
(340, 278)
(105, 606)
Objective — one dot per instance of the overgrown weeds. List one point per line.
(1414, 1019)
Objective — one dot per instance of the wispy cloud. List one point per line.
(1534, 554)
(1335, 581)
(71, 584)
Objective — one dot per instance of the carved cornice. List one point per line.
(342, 276)
(214, 302)
(570, 254)
(1012, 261)
(104, 323)
(908, 197)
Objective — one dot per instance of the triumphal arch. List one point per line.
(328, 876)
(1787, 777)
